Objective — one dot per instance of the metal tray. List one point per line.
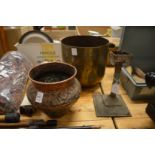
(135, 90)
(139, 41)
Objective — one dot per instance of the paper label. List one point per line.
(48, 52)
(39, 52)
(74, 51)
(4, 73)
(115, 88)
(39, 97)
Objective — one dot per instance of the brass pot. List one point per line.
(88, 54)
(53, 98)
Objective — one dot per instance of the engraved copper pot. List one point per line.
(88, 54)
(53, 98)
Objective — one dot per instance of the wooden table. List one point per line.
(83, 112)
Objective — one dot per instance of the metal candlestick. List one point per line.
(113, 105)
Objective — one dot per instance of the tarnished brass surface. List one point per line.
(88, 54)
(108, 106)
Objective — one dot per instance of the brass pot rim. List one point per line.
(76, 46)
(86, 46)
(52, 83)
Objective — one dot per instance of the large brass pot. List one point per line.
(88, 54)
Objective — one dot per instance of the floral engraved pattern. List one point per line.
(57, 99)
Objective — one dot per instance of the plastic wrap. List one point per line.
(14, 68)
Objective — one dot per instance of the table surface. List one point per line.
(83, 111)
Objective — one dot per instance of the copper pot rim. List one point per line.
(53, 83)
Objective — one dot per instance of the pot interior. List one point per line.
(84, 41)
(52, 72)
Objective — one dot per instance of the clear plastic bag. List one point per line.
(14, 68)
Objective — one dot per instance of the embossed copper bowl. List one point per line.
(53, 98)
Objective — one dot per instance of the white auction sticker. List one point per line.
(39, 97)
(74, 51)
(115, 88)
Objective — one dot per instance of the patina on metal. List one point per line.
(110, 106)
(88, 54)
(46, 93)
(113, 104)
